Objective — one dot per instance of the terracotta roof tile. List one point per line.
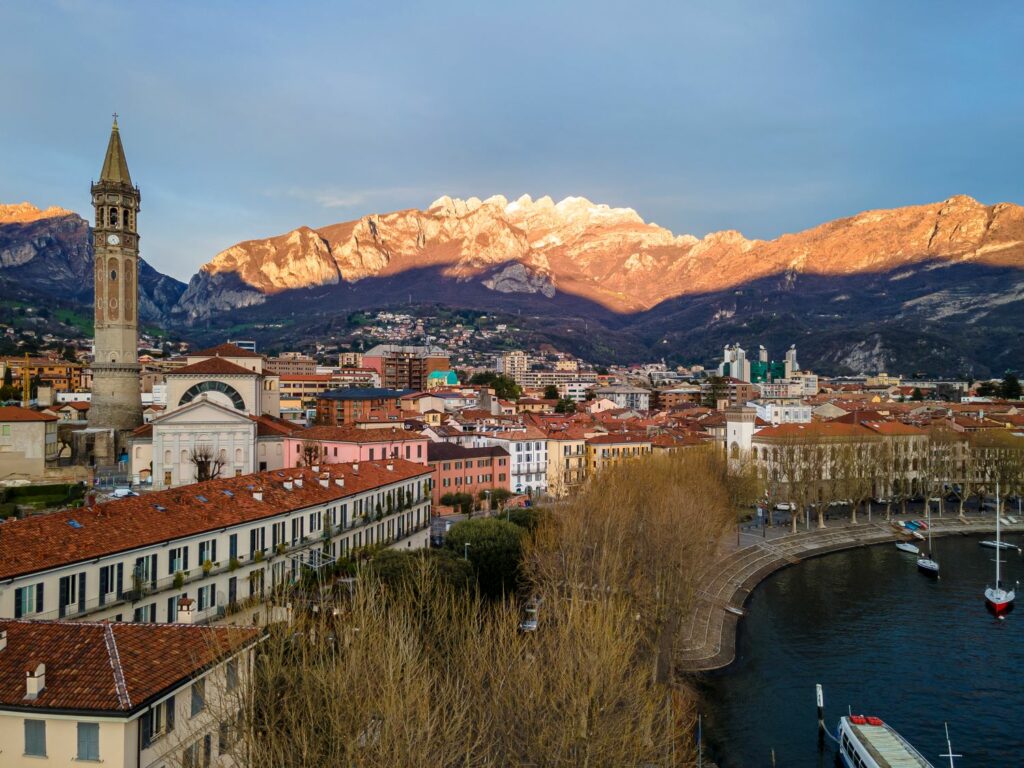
(215, 366)
(83, 660)
(50, 541)
(14, 413)
(349, 434)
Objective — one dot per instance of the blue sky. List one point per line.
(247, 119)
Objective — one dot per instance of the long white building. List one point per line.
(221, 543)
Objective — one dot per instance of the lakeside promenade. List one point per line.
(710, 641)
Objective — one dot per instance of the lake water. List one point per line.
(884, 640)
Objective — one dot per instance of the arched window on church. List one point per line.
(238, 455)
(167, 456)
(113, 217)
(184, 457)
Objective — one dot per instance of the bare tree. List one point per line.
(311, 453)
(208, 464)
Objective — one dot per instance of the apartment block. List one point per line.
(222, 543)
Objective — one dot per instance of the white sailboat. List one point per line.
(927, 564)
(998, 600)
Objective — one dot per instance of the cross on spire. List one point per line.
(115, 119)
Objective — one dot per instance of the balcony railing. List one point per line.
(140, 591)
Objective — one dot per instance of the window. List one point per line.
(208, 551)
(28, 600)
(111, 581)
(72, 594)
(233, 546)
(198, 697)
(207, 597)
(257, 541)
(35, 738)
(178, 560)
(146, 613)
(88, 741)
(231, 673)
(6, 430)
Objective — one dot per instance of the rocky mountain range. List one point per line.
(934, 287)
(48, 253)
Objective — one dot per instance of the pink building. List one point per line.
(467, 470)
(343, 444)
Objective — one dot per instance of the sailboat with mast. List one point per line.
(927, 564)
(998, 600)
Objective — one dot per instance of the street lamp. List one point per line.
(465, 551)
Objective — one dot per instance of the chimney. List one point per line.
(390, 466)
(355, 467)
(325, 480)
(35, 682)
(257, 493)
(287, 485)
(340, 482)
(3, 639)
(298, 482)
(185, 612)
(315, 467)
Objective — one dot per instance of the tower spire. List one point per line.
(115, 166)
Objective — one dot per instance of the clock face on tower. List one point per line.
(113, 239)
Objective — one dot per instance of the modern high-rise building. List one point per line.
(116, 402)
(405, 367)
(513, 364)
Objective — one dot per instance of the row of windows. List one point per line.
(468, 480)
(520, 447)
(88, 740)
(115, 580)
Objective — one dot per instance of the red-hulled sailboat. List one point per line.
(998, 600)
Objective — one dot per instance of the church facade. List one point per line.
(222, 419)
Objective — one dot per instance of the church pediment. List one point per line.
(203, 411)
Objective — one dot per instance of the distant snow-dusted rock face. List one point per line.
(607, 255)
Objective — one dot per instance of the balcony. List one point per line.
(142, 590)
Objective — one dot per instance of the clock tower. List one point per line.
(116, 403)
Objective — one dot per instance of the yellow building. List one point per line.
(567, 460)
(605, 450)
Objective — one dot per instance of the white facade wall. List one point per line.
(528, 461)
(301, 533)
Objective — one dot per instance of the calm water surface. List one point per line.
(885, 640)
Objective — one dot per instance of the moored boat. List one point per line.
(906, 546)
(927, 564)
(997, 599)
(868, 742)
(992, 544)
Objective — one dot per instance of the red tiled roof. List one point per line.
(215, 365)
(14, 413)
(271, 426)
(224, 350)
(77, 405)
(616, 438)
(146, 430)
(348, 434)
(894, 428)
(49, 541)
(814, 429)
(84, 661)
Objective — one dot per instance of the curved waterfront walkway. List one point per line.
(710, 642)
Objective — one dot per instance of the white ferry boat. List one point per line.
(867, 742)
